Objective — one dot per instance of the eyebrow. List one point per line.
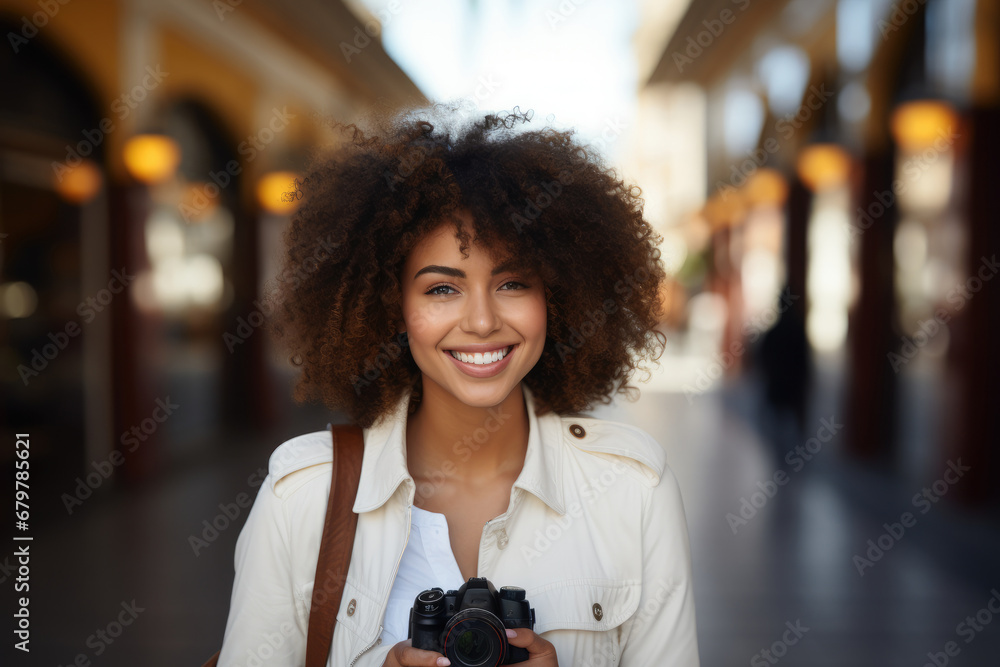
(509, 265)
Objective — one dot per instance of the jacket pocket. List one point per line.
(359, 612)
(582, 618)
(584, 604)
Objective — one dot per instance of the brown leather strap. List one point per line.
(337, 543)
(335, 546)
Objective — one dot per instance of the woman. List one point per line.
(488, 284)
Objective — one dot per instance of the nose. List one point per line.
(481, 314)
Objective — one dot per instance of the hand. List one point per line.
(541, 652)
(404, 655)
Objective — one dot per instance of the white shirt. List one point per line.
(428, 562)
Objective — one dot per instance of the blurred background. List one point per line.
(822, 173)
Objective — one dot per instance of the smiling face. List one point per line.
(493, 316)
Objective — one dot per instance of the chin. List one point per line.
(484, 397)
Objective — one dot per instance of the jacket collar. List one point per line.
(383, 466)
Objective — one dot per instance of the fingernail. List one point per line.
(443, 662)
(511, 633)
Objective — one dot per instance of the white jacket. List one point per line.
(595, 534)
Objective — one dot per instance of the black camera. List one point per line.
(469, 625)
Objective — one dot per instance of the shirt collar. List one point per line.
(383, 467)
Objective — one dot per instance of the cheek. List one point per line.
(423, 321)
(534, 318)
(413, 318)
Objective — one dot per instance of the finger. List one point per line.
(415, 657)
(526, 638)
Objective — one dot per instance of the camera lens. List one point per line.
(475, 638)
(473, 646)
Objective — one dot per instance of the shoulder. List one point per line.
(298, 461)
(605, 442)
(608, 452)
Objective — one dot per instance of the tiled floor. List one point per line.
(791, 563)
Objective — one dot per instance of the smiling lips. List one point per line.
(481, 359)
(481, 364)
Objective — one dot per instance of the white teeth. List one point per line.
(479, 358)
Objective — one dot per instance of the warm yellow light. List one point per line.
(272, 189)
(151, 158)
(823, 166)
(766, 187)
(199, 200)
(79, 184)
(17, 299)
(918, 125)
(725, 210)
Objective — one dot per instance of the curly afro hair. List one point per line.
(535, 194)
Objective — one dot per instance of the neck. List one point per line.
(450, 442)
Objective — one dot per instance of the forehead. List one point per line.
(441, 246)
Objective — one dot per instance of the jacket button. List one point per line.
(577, 430)
(351, 606)
(598, 612)
(502, 538)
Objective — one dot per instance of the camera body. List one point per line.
(468, 625)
